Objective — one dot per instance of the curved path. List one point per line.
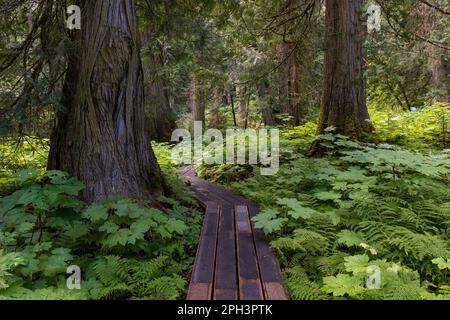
(234, 260)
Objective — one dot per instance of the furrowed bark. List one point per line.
(344, 100)
(100, 137)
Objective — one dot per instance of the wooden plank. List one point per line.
(206, 194)
(202, 279)
(214, 191)
(225, 284)
(227, 194)
(217, 192)
(203, 199)
(269, 267)
(248, 274)
(188, 171)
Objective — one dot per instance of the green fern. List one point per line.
(300, 287)
(382, 202)
(302, 240)
(111, 270)
(115, 292)
(130, 278)
(164, 288)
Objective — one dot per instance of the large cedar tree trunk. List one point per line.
(159, 108)
(440, 68)
(344, 101)
(439, 58)
(100, 136)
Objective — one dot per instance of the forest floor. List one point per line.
(366, 221)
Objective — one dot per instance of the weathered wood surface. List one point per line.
(202, 279)
(225, 285)
(234, 259)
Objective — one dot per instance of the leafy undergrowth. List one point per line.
(292, 142)
(365, 222)
(20, 153)
(426, 128)
(124, 249)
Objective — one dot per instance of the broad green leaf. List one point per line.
(357, 264)
(25, 227)
(177, 226)
(25, 175)
(163, 232)
(122, 237)
(268, 221)
(327, 195)
(126, 207)
(57, 177)
(72, 187)
(349, 238)
(342, 285)
(297, 208)
(109, 227)
(442, 263)
(96, 212)
(76, 231)
(142, 225)
(56, 263)
(30, 195)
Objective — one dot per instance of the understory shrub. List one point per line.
(125, 249)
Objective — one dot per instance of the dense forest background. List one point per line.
(227, 63)
(364, 118)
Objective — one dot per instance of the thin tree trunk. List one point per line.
(289, 81)
(294, 86)
(216, 120)
(233, 110)
(344, 101)
(197, 106)
(264, 103)
(283, 77)
(241, 106)
(100, 137)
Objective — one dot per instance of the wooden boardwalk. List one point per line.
(234, 259)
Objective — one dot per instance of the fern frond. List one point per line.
(300, 287)
(418, 246)
(327, 265)
(302, 240)
(116, 292)
(110, 270)
(164, 288)
(148, 270)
